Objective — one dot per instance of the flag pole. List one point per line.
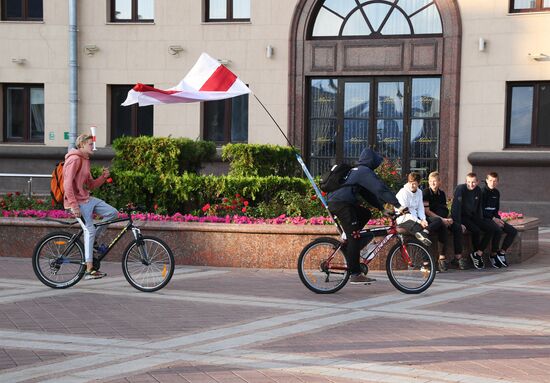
(300, 160)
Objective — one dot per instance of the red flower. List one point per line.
(155, 206)
(243, 209)
(393, 172)
(206, 207)
(237, 195)
(17, 193)
(313, 197)
(109, 180)
(234, 202)
(245, 203)
(323, 194)
(225, 200)
(9, 195)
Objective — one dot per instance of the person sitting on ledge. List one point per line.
(490, 202)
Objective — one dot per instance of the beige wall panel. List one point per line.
(509, 40)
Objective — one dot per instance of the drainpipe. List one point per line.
(73, 75)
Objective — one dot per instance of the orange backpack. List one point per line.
(56, 184)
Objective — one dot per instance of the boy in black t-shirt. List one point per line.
(490, 203)
(435, 205)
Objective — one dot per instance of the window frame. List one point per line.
(25, 12)
(534, 118)
(229, 15)
(27, 110)
(405, 159)
(133, 19)
(538, 8)
(227, 122)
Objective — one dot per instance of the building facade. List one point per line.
(448, 85)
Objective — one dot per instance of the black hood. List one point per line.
(370, 158)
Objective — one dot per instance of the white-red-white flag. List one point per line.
(208, 80)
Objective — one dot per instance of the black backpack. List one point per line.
(334, 178)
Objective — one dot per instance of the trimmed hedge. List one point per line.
(190, 192)
(161, 155)
(261, 160)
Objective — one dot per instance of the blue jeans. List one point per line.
(87, 210)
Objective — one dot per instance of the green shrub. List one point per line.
(261, 160)
(161, 154)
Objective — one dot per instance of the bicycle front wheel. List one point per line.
(55, 263)
(410, 267)
(148, 264)
(322, 266)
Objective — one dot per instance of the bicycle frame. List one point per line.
(130, 225)
(388, 232)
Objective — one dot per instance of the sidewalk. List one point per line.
(244, 325)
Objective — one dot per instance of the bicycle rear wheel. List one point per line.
(322, 266)
(148, 264)
(54, 264)
(410, 267)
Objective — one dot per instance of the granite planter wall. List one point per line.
(224, 245)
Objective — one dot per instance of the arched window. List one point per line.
(375, 18)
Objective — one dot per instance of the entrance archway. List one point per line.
(361, 57)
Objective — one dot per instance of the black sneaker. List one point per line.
(442, 265)
(360, 279)
(495, 262)
(502, 258)
(422, 238)
(477, 260)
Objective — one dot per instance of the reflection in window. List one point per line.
(24, 113)
(528, 120)
(529, 5)
(227, 10)
(377, 18)
(22, 10)
(132, 10)
(226, 120)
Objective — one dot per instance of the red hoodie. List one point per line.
(78, 183)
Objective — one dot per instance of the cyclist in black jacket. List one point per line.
(490, 202)
(466, 210)
(346, 206)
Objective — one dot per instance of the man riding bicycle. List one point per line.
(345, 204)
(77, 183)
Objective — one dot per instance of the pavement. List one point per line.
(243, 325)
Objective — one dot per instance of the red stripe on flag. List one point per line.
(220, 81)
(146, 88)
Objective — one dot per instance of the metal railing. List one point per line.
(29, 176)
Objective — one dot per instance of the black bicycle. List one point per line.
(147, 263)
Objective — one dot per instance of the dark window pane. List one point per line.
(15, 114)
(323, 98)
(145, 120)
(14, 9)
(214, 120)
(424, 138)
(521, 115)
(543, 123)
(239, 119)
(37, 114)
(389, 138)
(35, 9)
(121, 116)
(356, 138)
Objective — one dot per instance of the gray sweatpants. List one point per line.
(87, 210)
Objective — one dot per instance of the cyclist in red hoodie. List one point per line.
(77, 184)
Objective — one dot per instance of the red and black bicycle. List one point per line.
(323, 268)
